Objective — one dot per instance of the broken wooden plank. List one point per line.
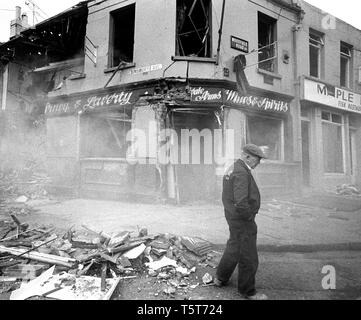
(125, 247)
(103, 283)
(42, 257)
(108, 258)
(110, 292)
(24, 271)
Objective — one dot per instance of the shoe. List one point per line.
(257, 296)
(218, 283)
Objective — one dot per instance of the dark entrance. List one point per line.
(196, 180)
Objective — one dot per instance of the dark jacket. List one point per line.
(241, 198)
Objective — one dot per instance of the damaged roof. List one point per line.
(57, 34)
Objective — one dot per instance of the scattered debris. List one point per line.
(347, 190)
(23, 185)
(89, 264)
(207, 278)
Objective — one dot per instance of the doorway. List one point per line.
(196, 180)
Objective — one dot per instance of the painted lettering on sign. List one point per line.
(263, 103)
(57, 108)
(90, 103)
(332, 96)
(121, 99)
(202, 94)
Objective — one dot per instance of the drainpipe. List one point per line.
(297, 151)
(220, 31)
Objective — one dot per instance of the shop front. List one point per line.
(89, 139)
(330, 123)
(173, 144)
(224, 120)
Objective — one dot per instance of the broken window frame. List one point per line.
(267, 52)
(346, 59)
(115, 60)
(336, 120)
(316, 42)
(203, 33)
(122, 116)
(281, 143)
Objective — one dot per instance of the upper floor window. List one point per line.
(316, 50)
(193, 28)
(121, 46)
(267, 43)
(345, 65)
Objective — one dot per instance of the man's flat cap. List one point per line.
(254, 150)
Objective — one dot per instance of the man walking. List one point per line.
(241, 200)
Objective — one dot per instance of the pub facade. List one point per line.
(161, 96)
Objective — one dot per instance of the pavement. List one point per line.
(283, 226)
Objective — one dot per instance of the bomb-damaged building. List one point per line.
(154, 99)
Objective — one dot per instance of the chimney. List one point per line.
(19, 23)
(17, 13)
(25, 21)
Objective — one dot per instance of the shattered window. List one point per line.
(316, 47)
(193, 28)
(122, 36)
(103, 135)
(267, 42)
(266, 133)
(332, 142)
(345, 64)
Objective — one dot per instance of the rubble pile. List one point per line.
(347, 190)
(26, 182)
(73, 262)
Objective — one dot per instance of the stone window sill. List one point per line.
(194, 59)
(126, 66)
(270, 74)
(77, 76)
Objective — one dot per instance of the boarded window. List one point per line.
(193, 28)
(345, 65)
(105, 135)
(122, 36)
(267, 42)
(266, 133)
(316, 46)
(332, 142)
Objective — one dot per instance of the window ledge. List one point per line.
(77, 76)
(270, 74)
(126, 66)
(194, 59)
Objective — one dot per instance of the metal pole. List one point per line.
(220, 31)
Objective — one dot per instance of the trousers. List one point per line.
(241, 250)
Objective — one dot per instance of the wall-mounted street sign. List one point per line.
(239, 44)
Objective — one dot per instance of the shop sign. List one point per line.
(332, 96)
(256, 102)
(201, 94)
(91, 102)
